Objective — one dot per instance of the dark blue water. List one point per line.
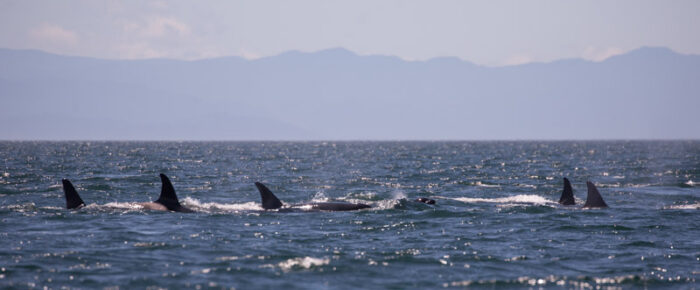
(496, 222)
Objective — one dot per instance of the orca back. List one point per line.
(567, 195)
(269, 200)
(73, 200)
(168, 198)
(425, 200)
(594, 198)
(338, 206)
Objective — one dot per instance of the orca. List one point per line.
(270, 201)
(425, 200)
(567, 195)
(594, 199)
(166, 202)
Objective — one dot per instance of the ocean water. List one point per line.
(496, 222)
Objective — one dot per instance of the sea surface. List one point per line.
(496, 223)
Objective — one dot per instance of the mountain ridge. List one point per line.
(344, 51)
(646, 93)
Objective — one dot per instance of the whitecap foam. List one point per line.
(386, 204)
(478, 183)
(319, 197)
(119, 205)
(52, 207)
(398, 194)
(302, 263)
(22, 207)
(691, 183)
(215, 206)
(684, 206)
(233, 258)
(362, 195)
(520, 198)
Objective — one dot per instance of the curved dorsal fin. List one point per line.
(73, 200)
(269, 200)
(567, 195)
(168, 198)
(594, 199)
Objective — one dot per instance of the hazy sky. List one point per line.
(484, 32)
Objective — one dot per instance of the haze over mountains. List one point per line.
(649, 93)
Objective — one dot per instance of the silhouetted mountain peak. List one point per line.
(645, 54)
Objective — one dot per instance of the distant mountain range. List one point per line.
(648, 93)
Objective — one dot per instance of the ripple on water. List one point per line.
(496, 223)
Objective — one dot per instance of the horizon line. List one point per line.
(355, 140)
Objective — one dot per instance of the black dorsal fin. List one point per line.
(567, 195)
(168, 198)
(594, 199)
(269, 200)
(73, 200)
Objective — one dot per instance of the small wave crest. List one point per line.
(22, 207)
(480, 184)
(300, 263)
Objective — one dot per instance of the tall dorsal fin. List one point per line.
(594, 199)
(269, 200)
(73, 200)
(168, 198)
(567, 195)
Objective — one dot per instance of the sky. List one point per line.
(490, 33)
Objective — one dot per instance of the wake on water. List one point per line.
(398, 199)
(519, 199)
(209, 207)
